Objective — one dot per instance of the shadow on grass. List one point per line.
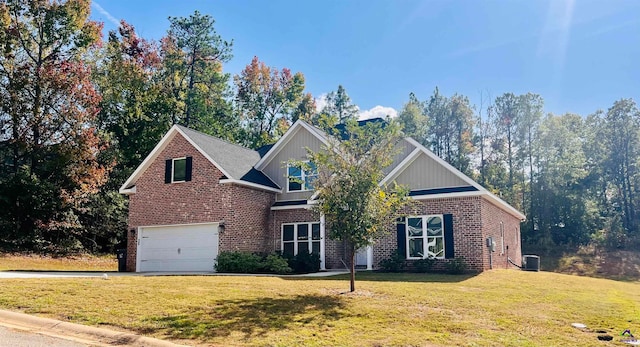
(393, 277)
(250, 317)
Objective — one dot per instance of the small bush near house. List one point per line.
(245, 262)
(395, 263)
(303, 263)
(238, 262)
(274, 263)
(424, 265)
(456, 266)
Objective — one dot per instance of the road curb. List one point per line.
(47, 326)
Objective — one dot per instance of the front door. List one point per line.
(363, 257)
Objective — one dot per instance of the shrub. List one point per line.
(238, 262)
(456, 266)
(424, 265)
(303, 263)
(395, 263)
(274, 263)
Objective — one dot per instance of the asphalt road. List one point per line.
(17, 338)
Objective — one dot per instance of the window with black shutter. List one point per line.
(178, 170)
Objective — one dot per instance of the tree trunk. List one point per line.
(352, 269)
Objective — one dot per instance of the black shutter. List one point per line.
(402, 238)
(168, 167)
(448, 236)
(187, 173)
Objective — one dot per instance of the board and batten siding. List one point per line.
(426, 173)
(294, 149)
(401, 151)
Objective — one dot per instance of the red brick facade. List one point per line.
(474, 219)
(250, 225)
(509, 247)
(334, 250)
(245, 211)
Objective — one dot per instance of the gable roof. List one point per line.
(473, 188)
(234, 161)
(282, 142)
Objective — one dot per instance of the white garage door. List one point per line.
(178, 248)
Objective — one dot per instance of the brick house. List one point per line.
(196, 195)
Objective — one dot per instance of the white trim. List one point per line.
(309, 240)
(291, 207)
(273, 151)
(249, 184)
(424, 236)
(173, 169)
(303, 178)
(128, 191)
(370, 257)
(156, 151)
(322, 245)
(401, 166)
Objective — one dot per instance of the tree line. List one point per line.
(575, 177)
(79, 112)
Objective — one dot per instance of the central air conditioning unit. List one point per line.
(530, 263)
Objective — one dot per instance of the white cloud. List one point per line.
(104, 12)
(321, 102)
(377, 112)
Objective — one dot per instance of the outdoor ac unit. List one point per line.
(531, 263)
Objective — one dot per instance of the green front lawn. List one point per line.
(496, 308)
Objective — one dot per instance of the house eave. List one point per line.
(127, 191)
(250, 185)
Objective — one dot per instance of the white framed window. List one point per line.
(300, 237)
(425, 237)
(179, 170)
(301, 179)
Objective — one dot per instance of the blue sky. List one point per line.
(579, 55)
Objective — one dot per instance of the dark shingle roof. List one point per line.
(236, 160)
(264, 149)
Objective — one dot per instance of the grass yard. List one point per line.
(496, 308)
(36, 262)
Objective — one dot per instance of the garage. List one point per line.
(190, 247)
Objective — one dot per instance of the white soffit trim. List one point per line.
(156, 151)
(128, 191)
(262, 163)
(249, 184)
(293, 207)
